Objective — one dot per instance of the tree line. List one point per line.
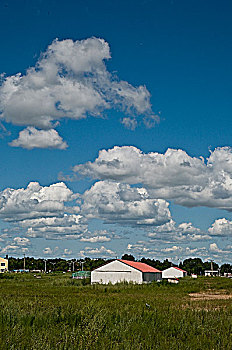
(191, 265)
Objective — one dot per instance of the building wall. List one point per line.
(115, 272)
(152, 276)
(171, 272)
(3, 265)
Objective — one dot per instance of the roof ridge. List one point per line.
(137, 265)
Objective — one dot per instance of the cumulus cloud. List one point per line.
(174, 175)
(101, 252)
(214, 248)
(35, 201)
(31, 137)
(114, 202)
(42, 212)
(14, 249)
(17, 245)
(139, 248)
(171, 232)
(221, 227)
(55, 227)
(70, 80)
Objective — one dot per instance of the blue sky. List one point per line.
(166, 63)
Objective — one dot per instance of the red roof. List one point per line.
(139, 266)
(179, 269)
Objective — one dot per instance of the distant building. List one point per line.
(174, 272)
(125, 271)
(3, 265)
(212, 273)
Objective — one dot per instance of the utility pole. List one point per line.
(211, 265)
(45, 265)
(82, 265)
(24, 262)
(73, 265)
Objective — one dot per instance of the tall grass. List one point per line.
(56, 312)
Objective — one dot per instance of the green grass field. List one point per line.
(56, 312)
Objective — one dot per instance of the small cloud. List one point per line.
(130, 123)
(31, 137)
(66, 252)
(95, 239)
(50, 251)
(102, 251)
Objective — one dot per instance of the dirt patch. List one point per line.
(210, 296)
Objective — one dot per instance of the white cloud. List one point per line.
(30, 138)
(67, 252)
(95, 239)
(61, 227)
(22, 241)
(35, 201)
(173, 249)
(221, 227)
(102, 252)
(130, 123)
(179, 252)
(38, 211)
(174, 175)
(50, 251)
(119, 203)
(171, 232)
(14, 248)
(70, 80)
(214, 248)
(138, 248)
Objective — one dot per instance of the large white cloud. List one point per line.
(70, 80)
(30, 138)
(174, 175)
(55, 227)
(35, 201)
(221, 227)
(38, 211)
(114, 202)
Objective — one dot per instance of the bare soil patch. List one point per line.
(210, 296)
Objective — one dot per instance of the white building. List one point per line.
(3, 265)
(174, 272)
(125, 271)
(212, 273)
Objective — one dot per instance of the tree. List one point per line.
(226, 268)
(128, 257)
(193, 265)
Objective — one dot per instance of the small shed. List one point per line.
(174, 272)
(125, 271)
(81, 275)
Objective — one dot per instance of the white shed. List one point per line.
(174, 272)
(125, 271)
